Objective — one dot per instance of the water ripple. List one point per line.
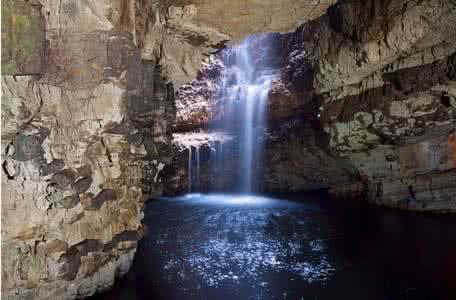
(236, 244)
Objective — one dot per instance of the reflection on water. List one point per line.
(241, 240)
(252, 247)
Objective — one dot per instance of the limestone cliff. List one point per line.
(179, 34)
(87, 116)
(385, 75)
(366, 104)
(374, 80)
(85, 133)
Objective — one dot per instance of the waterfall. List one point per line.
(198, 180)
(193, 180)
(189, 171)
(246, 82)
(232, 151)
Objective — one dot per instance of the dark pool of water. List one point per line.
(305, 247)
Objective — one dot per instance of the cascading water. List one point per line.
(193, 180)
(189, 169)
(198, 166)
(242, 100)
(230, 156)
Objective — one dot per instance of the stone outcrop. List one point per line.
(400, 137)
(86, 127)
(378, 77)
(88, 112)
(180, 34)
(297, 160)
(360, 38)
(87, 117)
(384, 76)
(195, 106)
(394, 120)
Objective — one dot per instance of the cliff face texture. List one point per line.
(383, 76)
(366, 105)
(85, 134)
(87, 116)
(386, 83)
(181, 33)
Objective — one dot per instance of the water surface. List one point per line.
(289, 247)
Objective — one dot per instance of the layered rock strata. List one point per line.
(387, 91)
(180, 34)
(379, 80)
(87, 117)
(85, 134)
(88, 112)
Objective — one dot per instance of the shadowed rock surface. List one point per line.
(365, 107)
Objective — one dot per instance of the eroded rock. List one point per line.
(60, 152)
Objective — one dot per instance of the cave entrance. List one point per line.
(232, 242)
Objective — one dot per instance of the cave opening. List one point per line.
(204, 149)
(249, 222)
(246, 105)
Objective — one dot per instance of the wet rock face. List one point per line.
(298, 160)
(386, 97)
(88, 111)
(195, 101)
(401, 143)
(374, 83)
(80, 136)
(380, 34)
(179, 35)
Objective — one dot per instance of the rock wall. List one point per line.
(373, 83)
(400, 137)
(87, 117)
(86, 127)
(387, 98)
(297, 159)
(383, 73)
(88, 112)
(180, 34)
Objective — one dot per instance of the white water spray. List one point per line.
(243, 99)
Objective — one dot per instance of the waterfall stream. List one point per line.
(193, 180)
(244, 89)
(198, 178)
(230, 157)
(189, 169)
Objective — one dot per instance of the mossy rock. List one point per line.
(23, 38)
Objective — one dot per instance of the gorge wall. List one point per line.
(366, 105)
(393, 117)
(87, 117)
(86, 127)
